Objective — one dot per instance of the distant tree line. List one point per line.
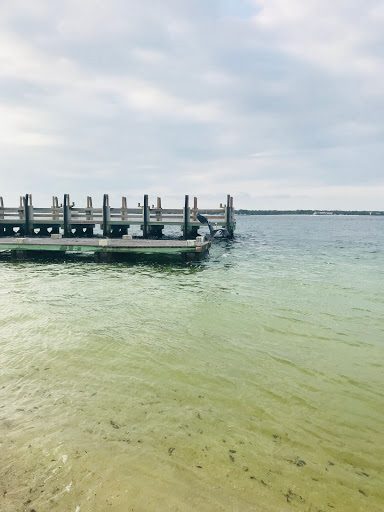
(308, 212)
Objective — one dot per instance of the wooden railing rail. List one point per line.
(219, 211)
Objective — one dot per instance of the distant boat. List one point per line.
(322, 213)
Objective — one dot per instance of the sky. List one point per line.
(276, 102)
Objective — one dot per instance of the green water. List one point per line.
(250, 382)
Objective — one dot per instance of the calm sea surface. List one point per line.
(253, 381)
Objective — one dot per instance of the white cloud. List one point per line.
(24, 127)
(176, 96)
(21, 61)
(331, 34)
(148, 56)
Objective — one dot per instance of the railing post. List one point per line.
(55, 207)
(124, 215)
(123, 230)
(30, 211)
(158, 209)
(155, 229)
(145, 216)
(66, 217)
(21, 207)
(55, 229)
(186, 218)
(194, 216)
(106, 216)
(89, 217)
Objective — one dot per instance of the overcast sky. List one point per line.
(277, 102)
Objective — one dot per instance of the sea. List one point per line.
(250, 381)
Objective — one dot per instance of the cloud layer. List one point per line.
(278, 102)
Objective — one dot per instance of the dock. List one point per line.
(104, 248)
(104, 230)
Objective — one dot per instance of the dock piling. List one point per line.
(145, 216)
(66, 217)
(228, 211)
(229, 216)
(186, 215)
(106, 216)
(2, 229)
(28, 215)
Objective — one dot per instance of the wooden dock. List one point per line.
(27, 230)
(103, 248)
(70, 221)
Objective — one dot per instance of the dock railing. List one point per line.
(27, 220)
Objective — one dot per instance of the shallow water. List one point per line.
(252, 381)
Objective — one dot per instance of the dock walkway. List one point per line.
(104, 247)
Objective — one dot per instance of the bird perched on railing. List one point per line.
(213, 232)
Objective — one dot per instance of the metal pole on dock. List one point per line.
(145, 216)
(229, 215)
(228, 211)
(66, 216)
(186, 218)
(27, 227)
(232, 218)
(106, 216)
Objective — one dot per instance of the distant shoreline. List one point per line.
(309, 212)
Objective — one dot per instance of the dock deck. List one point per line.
(105, 247)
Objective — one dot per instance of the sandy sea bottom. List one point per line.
(250, 382)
